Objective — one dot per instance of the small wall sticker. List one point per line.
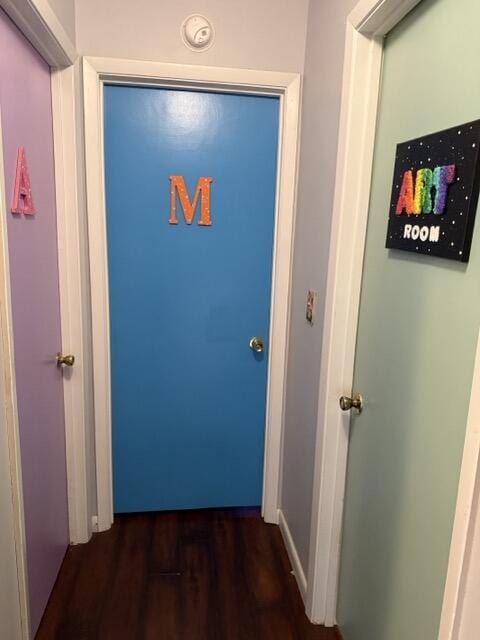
(202, 193)
(435, 193)
(22, 191)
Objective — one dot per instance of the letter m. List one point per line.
(202, 193)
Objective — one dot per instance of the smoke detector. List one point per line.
(197, 33)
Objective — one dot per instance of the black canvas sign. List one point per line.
(435, 193)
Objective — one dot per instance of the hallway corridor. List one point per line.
(188, 575)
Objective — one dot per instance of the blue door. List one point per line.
(190, 183)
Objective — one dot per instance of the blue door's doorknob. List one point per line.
(256, 344)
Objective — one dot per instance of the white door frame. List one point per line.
(74, 297)
(367, 25)
(97, 71)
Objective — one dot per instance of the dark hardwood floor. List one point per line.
(187, 575)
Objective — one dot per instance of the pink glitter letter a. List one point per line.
(22, 194)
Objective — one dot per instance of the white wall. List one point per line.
(260, 34)
(320, 118)
(65, 11)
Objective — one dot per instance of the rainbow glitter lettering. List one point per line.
(419, 200)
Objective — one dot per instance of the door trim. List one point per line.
(73, 278)
(97, 71)
(40, 25)
(367, 24)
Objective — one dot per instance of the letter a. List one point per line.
(405, 199)
(22, 192)
(202, 192)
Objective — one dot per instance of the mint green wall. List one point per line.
(418, 326)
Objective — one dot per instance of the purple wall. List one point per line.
(25, 103)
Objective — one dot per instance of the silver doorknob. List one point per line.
(68, 360)
(256, 344)
(347, 403)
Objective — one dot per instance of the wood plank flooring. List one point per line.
(186, 575)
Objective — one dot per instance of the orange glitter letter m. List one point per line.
(177, 185)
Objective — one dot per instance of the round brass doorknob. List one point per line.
(256, 344)
(347, 403)
(68, 360)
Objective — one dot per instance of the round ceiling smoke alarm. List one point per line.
(197, 33)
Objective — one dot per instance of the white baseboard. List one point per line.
(298, 571)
